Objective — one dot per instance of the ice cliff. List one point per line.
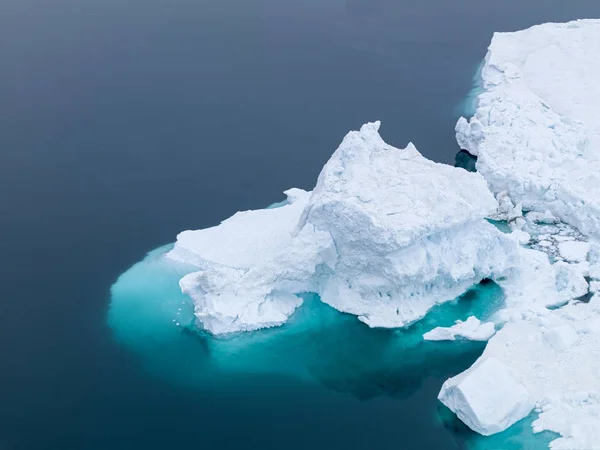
(385, 235)
(536, 133)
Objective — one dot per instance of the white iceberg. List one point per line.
(536, 130)
(408, 232)
(554, 356)
(385, 235)
(471, 329)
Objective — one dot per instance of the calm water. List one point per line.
(123, 122)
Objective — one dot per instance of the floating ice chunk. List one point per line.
(570, 280)
(385, 235)
(409, 233)
(487, 397)
(471, 329)
(230, 299)
(574, 251)
(545, 217)
(247, 239)
(522, 237)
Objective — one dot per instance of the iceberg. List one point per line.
(385, 235)
(554, 356)
(408, 233)
(536, 130)
(536, 135)
(251, 266)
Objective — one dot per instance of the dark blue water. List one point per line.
(123, 122)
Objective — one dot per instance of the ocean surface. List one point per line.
(123, 122)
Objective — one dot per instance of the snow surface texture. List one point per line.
(252, 265)
(471, 329)
(385, 235)
(536, 131)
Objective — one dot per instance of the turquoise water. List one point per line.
(319, 346)
(519, 436)
(151, 316)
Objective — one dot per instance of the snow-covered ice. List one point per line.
(536, 131)
(471, 329)
(385, 235)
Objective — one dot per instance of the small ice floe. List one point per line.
(471, 329)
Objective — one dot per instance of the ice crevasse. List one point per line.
(536, 133)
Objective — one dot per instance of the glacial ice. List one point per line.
(385, 235)
(536, 133)
(251, 266)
